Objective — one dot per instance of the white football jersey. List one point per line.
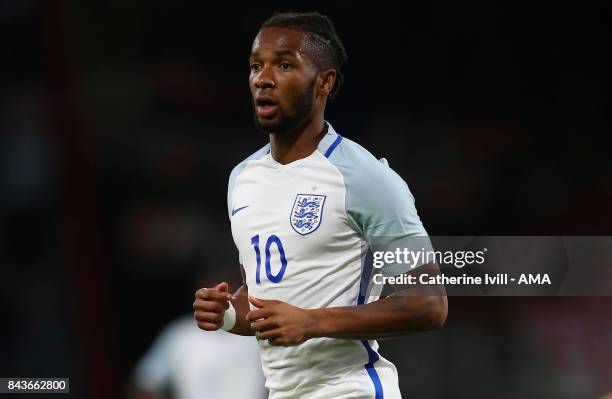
(299, 230)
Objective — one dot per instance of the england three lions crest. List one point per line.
(307, 213)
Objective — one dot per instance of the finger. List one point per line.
(263, 325)
(260, 303)
(278, 341)
(211, 294)
(210, 317)
(259, 314)
(210, 306)
(270, 334)
(209, 326)
(223, 287)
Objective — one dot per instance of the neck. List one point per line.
(286, 148)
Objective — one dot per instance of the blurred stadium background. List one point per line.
(121, 121)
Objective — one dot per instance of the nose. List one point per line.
(265, 79)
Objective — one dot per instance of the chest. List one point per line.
(285, 222)
(303, 205)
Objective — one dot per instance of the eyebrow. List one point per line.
(278, 53)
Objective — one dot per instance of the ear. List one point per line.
(325, 82)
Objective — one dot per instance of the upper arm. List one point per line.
(379, 203)
(382, 209)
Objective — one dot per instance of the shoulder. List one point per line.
(178, 328)
(378, 201)
(243, 164)
(170, 336)
(238, 169)
(363, 172)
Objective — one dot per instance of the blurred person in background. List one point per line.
(184, 362)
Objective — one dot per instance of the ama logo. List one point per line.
(307, 213)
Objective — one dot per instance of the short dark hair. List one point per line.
(322, 37)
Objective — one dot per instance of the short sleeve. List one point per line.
(379, 204)
(238, 169)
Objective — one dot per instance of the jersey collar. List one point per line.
(329, 142)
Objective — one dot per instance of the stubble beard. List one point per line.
(294, 123)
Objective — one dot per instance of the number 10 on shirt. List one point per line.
(273, 239)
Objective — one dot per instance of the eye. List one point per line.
(285, 66)
(255, 67)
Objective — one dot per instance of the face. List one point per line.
(282, 81)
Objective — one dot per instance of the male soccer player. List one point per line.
(300, 209)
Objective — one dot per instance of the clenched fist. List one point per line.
(210, 305)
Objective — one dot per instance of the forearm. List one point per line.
(389, 317)
(240, 302)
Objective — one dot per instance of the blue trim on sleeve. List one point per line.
(333, 146)
(365, 277)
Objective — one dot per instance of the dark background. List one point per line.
(121, 120)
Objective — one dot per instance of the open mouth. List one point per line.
(266, 107)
